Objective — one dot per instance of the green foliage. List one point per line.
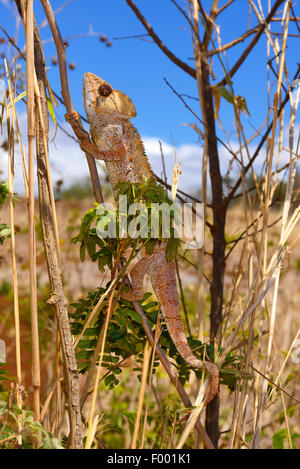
(104, 249)
(31, 432)
(150, 193)
(3, 375)
(290, 411)
(98, 249)
(5, 288)
(12, 419)
(126, 337)
(281, 436)
(3, 193)
(5, 230)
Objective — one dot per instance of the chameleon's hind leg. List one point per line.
(137, 281)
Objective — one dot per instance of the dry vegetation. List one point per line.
(79, 278)
(239, 294)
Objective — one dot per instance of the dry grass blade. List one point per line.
(109, 312)
(145, 367)
(29, 27)
(195, 413)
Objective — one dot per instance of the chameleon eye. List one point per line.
(105, 89)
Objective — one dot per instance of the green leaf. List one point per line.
(123, 187)
(21, 96)
(110, 359)
(172, 248)
(150, 245)
(145, 297)
(222, 90)
(82, 251)
(279, 438)
(91, 246)
(5, 230)
(241, 103)
(117, 334)
(52, 114)
(150, 305)
(109, 379)
(131, 313)
(84, 354)
(87, 343)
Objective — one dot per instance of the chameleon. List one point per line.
(116, 141)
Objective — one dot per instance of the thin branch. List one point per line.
(159, 42)
(183, 298)
(261, 143)
(135, 36)
(197, 117)
(211, 24)
(183, 13)
(168, 186)
(233, 42)
(280, 19)
(274, 384)
(171, 373)
(59, 43)
(221, 9)
(29, 29)
(248, 49)
(245, 232)
(203, 13)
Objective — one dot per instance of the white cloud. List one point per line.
(68, 162)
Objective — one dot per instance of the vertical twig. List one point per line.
(13, 256)
(50, 237)
(51, 240)
(59, 43)
(32, 246)
(147, 354)
(13, 242)
(218, 206)
(91, 425)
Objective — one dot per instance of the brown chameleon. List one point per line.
(116, 141)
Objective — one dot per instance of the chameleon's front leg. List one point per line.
(86, 144)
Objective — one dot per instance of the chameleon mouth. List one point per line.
(91, 86)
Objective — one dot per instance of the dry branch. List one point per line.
(160, 43)
(252, 44)
(52, 256)
(31, 223)
(50, 238)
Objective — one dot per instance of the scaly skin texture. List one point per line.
(117, 142)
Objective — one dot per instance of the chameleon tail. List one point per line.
(163, 279)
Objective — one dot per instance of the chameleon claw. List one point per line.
(72, 116)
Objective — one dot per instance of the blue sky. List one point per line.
(138, 67)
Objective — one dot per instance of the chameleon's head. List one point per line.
(101, 99)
